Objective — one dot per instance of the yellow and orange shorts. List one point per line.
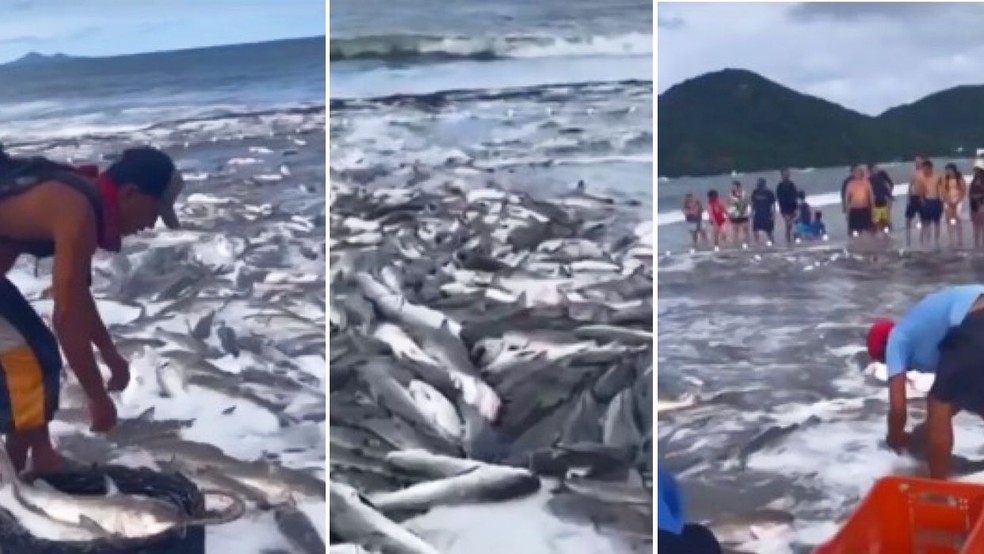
(881, 215)
(30, 364)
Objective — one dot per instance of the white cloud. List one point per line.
(866, 56)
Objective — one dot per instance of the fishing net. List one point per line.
(175, 488)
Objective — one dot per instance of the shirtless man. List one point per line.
(913, 206)
(931, 185)
(859, 198)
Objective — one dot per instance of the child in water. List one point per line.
(809, 225)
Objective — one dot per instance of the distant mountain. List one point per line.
(35, 58)
(738, 120)
(954, 116)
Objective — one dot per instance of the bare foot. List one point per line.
(46, 460)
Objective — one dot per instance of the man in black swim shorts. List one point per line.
(932, 205)
(859, 199)
(788, 201)
(913, 206)
(763, 211)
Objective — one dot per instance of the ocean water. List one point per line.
(246, 125)
(531, 96)
(82, 97)
(537, 95)
(771, 340)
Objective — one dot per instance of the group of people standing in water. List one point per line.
(934, 200)
(745, 217)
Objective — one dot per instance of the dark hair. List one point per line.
(735, 183)
(818, 214)
(149, 169)
(801, 194)
(712, 194)
(953, 167)
(927, 163)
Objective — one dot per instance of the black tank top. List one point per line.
(20, 175)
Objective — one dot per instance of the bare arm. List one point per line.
(74, 232)
(897, 409)
(98, 333)
(939, 428)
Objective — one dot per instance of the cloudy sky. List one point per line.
(865, 56)
(108, 27)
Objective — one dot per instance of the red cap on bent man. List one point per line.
(878, 338)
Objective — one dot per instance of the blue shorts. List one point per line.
(30, 365)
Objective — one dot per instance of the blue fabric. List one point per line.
(810, 230)
(669, 515)
(914, 341)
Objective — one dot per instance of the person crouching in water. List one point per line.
(819, 229)
(954, 189)
(803, 218)
(693, 213)
(975, 194)
(718, 216)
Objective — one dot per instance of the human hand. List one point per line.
(119, 371)
(898, 441)
(102, 413)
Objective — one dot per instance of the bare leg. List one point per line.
(37, 442)
(17, 450)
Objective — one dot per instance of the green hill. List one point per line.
(955, 116)
(738, 120)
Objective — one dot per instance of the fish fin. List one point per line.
(147, 415)
(90, 525)
(111, 488)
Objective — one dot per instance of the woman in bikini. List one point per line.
(718, 216)
(975, 195)
(954, 189)
(738, 213)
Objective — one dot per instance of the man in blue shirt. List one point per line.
(942, 334)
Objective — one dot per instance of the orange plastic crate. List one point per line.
(906, 515)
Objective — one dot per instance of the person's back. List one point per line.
(763, 210)
(914, 341)
(763, 200)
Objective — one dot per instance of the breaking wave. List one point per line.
(409, 48)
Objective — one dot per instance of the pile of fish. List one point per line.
(484, 343)
(222, 322)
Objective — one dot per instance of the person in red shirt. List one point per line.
(718, 215)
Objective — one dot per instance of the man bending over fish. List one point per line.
(943, 334)
(53, 210)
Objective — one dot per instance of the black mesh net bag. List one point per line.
(170, 487)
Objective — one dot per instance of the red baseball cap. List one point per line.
(878, 338)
